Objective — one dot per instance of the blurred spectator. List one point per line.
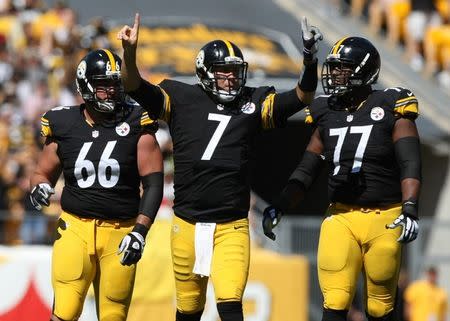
(437, 50)
(390, 12)
(423, 14)
(425, 300)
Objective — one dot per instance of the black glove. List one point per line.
(408, 221)
(271, 218)
(132, 247)
(311, 36)
(40, 195)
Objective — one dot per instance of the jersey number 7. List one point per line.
(223, 122)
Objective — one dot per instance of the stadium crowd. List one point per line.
(420, 27)
(40, 47)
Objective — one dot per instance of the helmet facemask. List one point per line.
(104, 93)
(338, 77)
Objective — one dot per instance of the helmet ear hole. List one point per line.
(221, 69)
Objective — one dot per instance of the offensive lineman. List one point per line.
(371, 145)
(105, 148)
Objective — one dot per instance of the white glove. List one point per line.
(409, 225)
(132, 247)
(40, 195)
(311, 36)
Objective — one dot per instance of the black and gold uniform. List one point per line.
(365, 191)
(100, 202)
(212, 149)
(369, 140)
(99, 161)
(212, 146)
(212, 131)
(358, 146)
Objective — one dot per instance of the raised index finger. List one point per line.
(304, 25)
(137, 20)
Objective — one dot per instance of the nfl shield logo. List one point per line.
(349, 118)
(95, 133)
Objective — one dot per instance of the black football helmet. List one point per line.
(100, 70)
(217, 56)
(352, 62)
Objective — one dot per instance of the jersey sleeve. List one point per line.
(316, 110)
(266, 100)
(46, 128)
(147, 124)
(405, 104)
(167, 104)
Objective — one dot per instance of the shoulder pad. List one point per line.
(404, 102)
(53, 119)
(147, 124)
(317, 109)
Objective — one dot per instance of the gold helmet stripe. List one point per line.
(230, 48)
(111, 59)
(337, 45)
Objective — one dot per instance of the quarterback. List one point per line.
(105, 148)
(212, 124)
(369, 140)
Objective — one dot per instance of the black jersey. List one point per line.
(358, 146)
(99, 161)
(212, 146)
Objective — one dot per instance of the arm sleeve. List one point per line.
(150, 97)
(285, 105)
(407, 152)
(152, 195)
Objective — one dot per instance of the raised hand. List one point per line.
(128, 35)
(311, 35)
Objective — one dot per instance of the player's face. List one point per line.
(340, 74)
(228, 78)
(107, 90)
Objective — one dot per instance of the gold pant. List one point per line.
(229, 266)
(354, 240)
(85, 251)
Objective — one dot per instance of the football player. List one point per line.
(105, 149)
(213, 124)
(370, 143)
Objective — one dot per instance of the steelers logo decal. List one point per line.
(123, 129)
(248, 108)
(377, 113)
(199, 61)
(81, 70)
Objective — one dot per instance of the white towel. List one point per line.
(204, 243)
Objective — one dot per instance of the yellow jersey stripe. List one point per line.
(308, 119)
(405, 99)
(337, 45)
(165, 113)
(230, 48)
(46, 131)
(408, 109)
(145, 122)
(267, 112)
(111, 59)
